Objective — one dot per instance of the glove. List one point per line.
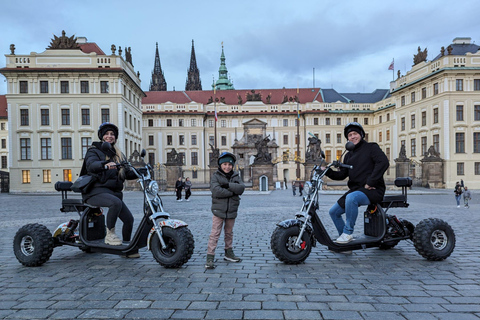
(225, 185)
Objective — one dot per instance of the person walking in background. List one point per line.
(467, 195)
(294, 188)
(300, 189)
(458, 193)
(188, 189)
(226, 187)
(178, 188)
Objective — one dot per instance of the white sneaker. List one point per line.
(458, 206)
(111, 238)
(188, 200)
(344, 238)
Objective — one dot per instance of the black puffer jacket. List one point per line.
(108, 181)
(225, 201)
(369, 164)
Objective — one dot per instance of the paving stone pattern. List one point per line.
(371, 284)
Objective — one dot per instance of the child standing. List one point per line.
(226, 187)
(467, 195)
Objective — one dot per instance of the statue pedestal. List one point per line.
(173, 173)
(432, 174)
(262, 177)
(308, 167)
(402, 168)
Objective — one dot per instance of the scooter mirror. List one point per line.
(349, 146)
(106, 146)
(143, 153)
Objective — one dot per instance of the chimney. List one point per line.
(81, 40)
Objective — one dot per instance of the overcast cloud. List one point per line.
(268, 43)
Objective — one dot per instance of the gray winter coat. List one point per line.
(225, 201)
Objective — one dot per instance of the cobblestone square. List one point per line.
(369, 284)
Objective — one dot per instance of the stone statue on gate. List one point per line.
(215, 155)
(262, 156)
(173, 158)
(314, 150)
(431, 155)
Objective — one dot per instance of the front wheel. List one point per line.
(33, 245)
(180, 245)
(434, 239)
(283, 245)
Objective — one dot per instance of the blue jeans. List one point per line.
(458, 198)
(352, 202)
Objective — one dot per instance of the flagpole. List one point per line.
(393, 70)
(215, 112)
(298, 136)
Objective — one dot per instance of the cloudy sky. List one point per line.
(267, 43)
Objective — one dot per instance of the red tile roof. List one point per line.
(91, 47)
(231, 97)
(3, 107)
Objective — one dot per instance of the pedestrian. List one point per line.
(226, 187)
(285, 183)
(107, 189)
(294, 188)
(188, 189)
(365, 180)
(467, 195)
(300, 189)
(458, 193)
(178, 188)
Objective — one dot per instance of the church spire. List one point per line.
(158, 82)
(193, 82)
(223, 83)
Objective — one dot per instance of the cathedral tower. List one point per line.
(158, 82)
(193, 82)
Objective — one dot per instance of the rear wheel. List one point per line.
(179, 247)
(434, 239)
(33, 245)
(283, 245)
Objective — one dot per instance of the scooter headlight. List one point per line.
(307, 187)
(153, 188)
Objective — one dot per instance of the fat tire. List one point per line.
(280, 240)
(434, 239)
(33, 245)
(180, 246)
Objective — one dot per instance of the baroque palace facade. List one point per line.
(57, 99)
(434, 106)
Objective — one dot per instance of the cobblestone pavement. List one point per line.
(370, 284)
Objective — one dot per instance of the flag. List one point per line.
(216, 118)
(391, 65)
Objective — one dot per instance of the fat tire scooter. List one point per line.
(169, 240)
(293, 239)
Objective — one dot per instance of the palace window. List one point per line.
(84, 87)
(424, 118)
(412, 121)
(67, 174)
(436, 142)
(104, 86)
(169, 122)
(285, 122)
(181, 140)
(477, 168)
(339, 121)
(150, 141)
(339, 138)
(25, 150)
(223, 123)
(460, 142)
(64, 87)
(476, 84)
(476, 113)
(194, 139)
(23, 86)
(459, 84)
(86, 143)
(402, 101)
(45, 117)
(327, 138)
(43, 86)
(413, 145)
(47, 176)
(315, 121)
(105, 115)
(459, 113)
(24, 118)
(327, 121)
(460, 168)
(65, 117)
(285, 139)
(180, 122)
(476, 142)
(194, 158)
(150, 122)
(46, 147)
(224, 140)
(25, 176)
(424, 93)
(402, 121)
(435, 88)
(85, 117)
(424, 145)
(435, 115)
(365, 121)
(194, 122)
(412, 97)
(66, 149)
(169, 140)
